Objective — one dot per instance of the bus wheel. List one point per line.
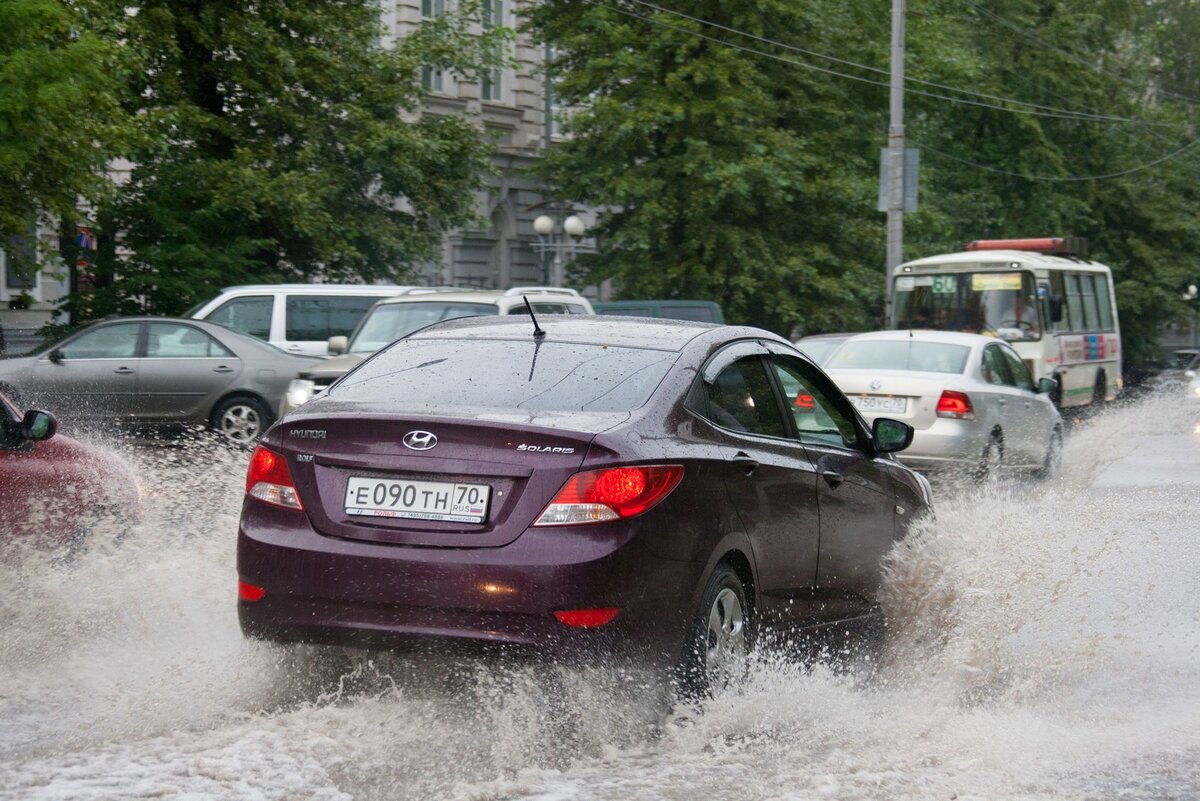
(1100, 391)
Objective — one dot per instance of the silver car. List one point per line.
(973, 404)
(157, 371)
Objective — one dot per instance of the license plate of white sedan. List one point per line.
(419, 500)
(878, 403)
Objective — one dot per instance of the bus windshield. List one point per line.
(1000, 304)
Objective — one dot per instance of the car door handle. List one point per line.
(124, 371)
(222, 369)
(833, 478)
(744, 461)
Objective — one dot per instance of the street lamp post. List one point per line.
(558, 233)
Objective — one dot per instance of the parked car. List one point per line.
(157, 371)
(819, 347)
(53, 489)
(605, 484)
(395, 317)
(703, 311)
(297, 318)
(970, 398)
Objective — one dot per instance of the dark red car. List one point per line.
(54, 489)
(653, 485)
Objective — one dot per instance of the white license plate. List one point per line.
(419, 500)
(878, 403)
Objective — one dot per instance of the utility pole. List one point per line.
(895, 159)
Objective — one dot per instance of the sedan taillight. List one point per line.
(269, 479)
(612, 493)
(956, 405)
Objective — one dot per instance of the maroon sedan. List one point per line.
(662, 486)
(54, 489)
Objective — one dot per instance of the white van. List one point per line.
(297, 318)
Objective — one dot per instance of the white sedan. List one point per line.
(973, 404)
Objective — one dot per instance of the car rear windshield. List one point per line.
(907, 354)
(387, 322)
(490, 374)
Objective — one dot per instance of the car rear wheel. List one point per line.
(991, 461)
(241, 419)
(1052, 466)
(719, 642)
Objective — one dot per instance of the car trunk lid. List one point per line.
(429, 481)
(911, 397)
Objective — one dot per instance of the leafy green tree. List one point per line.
(60, 116)
(736, 169)
(1078, 135)
(283, 142)
(725, 174)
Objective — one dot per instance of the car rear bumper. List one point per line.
(947, 444)
(331, 590)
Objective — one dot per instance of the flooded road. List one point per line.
(1044, 644)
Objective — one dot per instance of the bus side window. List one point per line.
(1105, 300)
(1058, 292)
(1087, 292)
(1075, 303)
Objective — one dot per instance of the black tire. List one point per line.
(241, 419)
(991, 460)
(1052, 465)
(1100, 392)
(720, 638)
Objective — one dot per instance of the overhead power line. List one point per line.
(1016, 106)
(1063, 178)
(1076, 58)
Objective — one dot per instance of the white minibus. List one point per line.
(1054, 306)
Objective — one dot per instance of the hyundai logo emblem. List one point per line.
(419, 440)
(876, 384)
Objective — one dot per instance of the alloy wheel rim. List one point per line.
(241, 423)
(725, 642)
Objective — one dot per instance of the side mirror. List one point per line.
(1046, 386)
(338, 345)
(1189, 373)
(57, 356)
(890, 436)
(38, 425)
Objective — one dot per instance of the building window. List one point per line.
(431, 79)
(493, 17)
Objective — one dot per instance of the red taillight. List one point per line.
(609, 494)
(249, 592)
(955, 404)
(585, 618)
(805, 403)
(269, 479)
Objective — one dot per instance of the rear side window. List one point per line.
(900, 354)
(249, 315)
(450, 374)
(173, 341)
(740, 398)
(313, 318)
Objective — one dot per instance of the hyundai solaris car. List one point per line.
(573, 485)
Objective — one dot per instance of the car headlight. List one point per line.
(300, 391)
